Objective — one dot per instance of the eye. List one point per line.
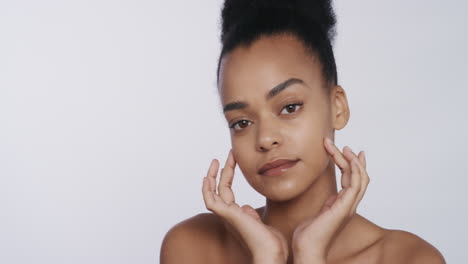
(240, 124)
(291, 108)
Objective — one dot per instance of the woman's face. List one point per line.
(290, 123)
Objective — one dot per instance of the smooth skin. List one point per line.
(267, 244)
(305, 218)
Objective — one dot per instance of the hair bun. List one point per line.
(319, 11)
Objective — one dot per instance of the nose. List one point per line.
(268, 137)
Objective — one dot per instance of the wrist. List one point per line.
(271, 256)
(308, 258)
(302, 260)
(268, 259)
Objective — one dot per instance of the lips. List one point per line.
(277, 165)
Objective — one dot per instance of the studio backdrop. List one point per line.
(109, 118)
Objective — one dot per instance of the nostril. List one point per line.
(265, 147)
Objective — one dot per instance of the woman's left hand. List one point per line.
(312, 238)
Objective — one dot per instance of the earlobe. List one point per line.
(341, 113)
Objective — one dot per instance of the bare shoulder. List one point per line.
(404, 247)
(194, 240)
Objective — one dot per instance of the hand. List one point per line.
(266, 244)
(311, 239)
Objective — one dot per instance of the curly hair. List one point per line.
(311, 21)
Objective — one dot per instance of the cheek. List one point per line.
(241, 153)
(311, 138)
(312, 149)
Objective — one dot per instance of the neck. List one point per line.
(285, 216)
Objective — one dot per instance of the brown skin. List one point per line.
(299, 197)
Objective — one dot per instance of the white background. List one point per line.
(109, 117)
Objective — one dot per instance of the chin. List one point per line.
(285, 192)
(283, 187)
(281, 196)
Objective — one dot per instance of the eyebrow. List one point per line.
(274, 91)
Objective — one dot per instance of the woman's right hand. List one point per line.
(266, 244)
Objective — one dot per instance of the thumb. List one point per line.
(250, 211)
(328, 203)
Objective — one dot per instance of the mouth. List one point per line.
(277, 167)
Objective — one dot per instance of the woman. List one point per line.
(279, 89)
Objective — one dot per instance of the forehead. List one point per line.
(268, 61)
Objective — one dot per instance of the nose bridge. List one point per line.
(267, 134)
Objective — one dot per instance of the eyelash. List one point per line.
(293, 104)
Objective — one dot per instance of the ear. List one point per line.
(340, 107)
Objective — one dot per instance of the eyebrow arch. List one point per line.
(274, 91)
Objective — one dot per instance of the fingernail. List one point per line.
(329, 141)
(364, 154)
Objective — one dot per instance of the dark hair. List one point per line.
(312, 21)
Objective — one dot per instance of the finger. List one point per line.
(364, 178)
(349, 154)
(364, 183)
(355, 175)
(250, 211)
(207, 189)
(362, 156)
(329, 202)
(212, 174)
(347, 151)
(208, 195)
(346, 178)
(225, 181)
(350, 194)
(340, 161)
